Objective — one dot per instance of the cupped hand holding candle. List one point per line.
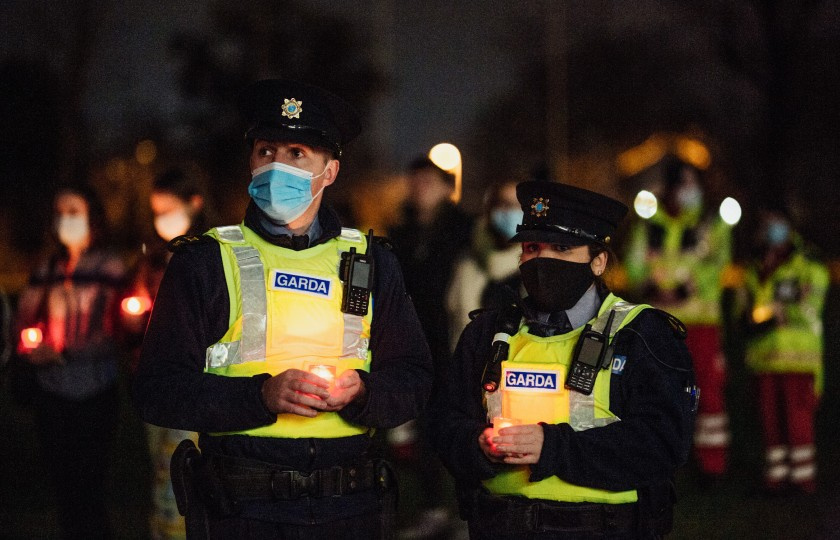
(295, 391)
(521, 445)
(501, 422)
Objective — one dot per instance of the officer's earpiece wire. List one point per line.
(666, 364)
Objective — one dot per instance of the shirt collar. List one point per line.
(585, 309)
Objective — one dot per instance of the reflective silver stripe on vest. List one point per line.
(582, 407)
(230, 233)
(252, 291)
(253, 299)
(353, 346)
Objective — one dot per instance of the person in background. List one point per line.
(567, 415)
(68, 321)
(674, 261)
(433, 232)
(431, 235)
(487, 273)
(786, 290)
(285, 341)
(178, 208)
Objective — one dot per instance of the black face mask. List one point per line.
(555, 284)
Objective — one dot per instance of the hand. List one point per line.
(489, 448)
(519, 445)
(45, 355)
(296, 392)
(348, 386)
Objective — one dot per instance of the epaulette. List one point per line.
(676, 325)
(179, 242)
(476, 312)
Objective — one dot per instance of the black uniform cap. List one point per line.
(292, 111)
(561, 214)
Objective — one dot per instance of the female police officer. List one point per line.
(598, 392)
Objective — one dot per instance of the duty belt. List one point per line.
(520, 514)
(247, 480)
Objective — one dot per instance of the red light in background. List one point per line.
(31, 338)
(136, 305)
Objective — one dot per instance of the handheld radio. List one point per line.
(590, 355)
(356, 271)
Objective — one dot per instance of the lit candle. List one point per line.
(500, 422)
(136, 305)
(31, 337)
(324, 371)
(762, 314)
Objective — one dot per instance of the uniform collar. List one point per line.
(326, 226)
(585, 309)
(582, 312)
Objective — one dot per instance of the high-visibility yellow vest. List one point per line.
(532, 390)
(285, 313)
(700, 267)
(798, 288)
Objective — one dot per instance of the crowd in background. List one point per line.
(79, 323)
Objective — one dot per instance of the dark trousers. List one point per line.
(363, 527)
(76, 439)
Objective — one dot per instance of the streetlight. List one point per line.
(448, 157)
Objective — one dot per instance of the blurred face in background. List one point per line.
(72, 223)
(505, 213)
(427, 189)
(173, 215)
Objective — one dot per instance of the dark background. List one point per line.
(114, 92)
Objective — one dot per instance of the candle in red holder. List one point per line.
(324, 371)
(500, 422)
(31, 338)
(136, 305)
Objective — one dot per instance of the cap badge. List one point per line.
(539, 207)
(291, 108)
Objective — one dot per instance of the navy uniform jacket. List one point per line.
(191, 313)
(641, 451)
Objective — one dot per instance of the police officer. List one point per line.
(251, 344)
(597, 393)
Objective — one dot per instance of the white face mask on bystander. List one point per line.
(72, 230)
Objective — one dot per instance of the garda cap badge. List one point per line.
(291, 108)
(539, 207)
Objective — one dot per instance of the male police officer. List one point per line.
(257, 343)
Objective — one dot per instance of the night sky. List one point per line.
(443, 59)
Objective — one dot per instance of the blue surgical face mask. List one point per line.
(505, 220)
(281, 191)
(777, 233)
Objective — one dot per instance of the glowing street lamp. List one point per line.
(645, 204)
(730, 211)
(448, 157)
